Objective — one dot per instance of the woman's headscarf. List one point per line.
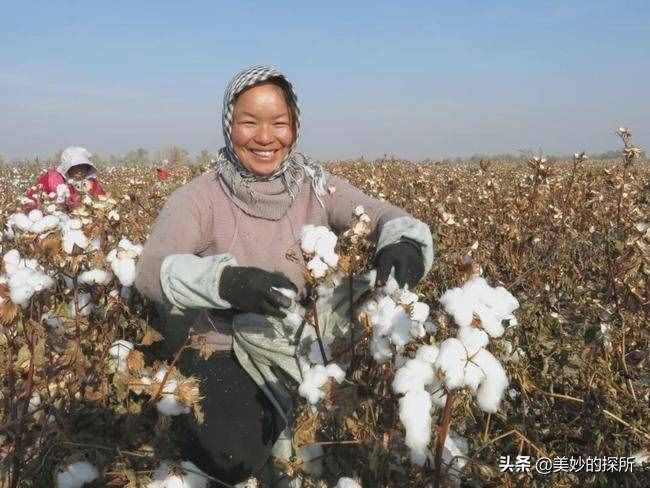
(243, 185)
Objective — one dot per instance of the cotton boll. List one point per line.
(451, 363)
(400, 334)
(419, 311)
(317, 267)
(459, 306)
(330, 258)
(22, 222)
(474, 376)
(472, 338)
(437, 391)
(133, 250)
(76, 475)
(415, 374)
(391, 285)
(334, 371)
(489, 320)
(20, 295)
(34, 402)
(45, 224)
(35, 215)
(415, 415)
(380, 349)
(95, 276)
(417, 330)
(125, 270)
(347, 483)
(53, 322)
(168, 403)
(191, 477)
(74, 237)
(11, 261)
(359, 210)
(382, 319)
(427, 353)
(495, 383)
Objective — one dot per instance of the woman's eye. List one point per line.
(281, 124)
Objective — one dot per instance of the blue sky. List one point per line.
(421, 79)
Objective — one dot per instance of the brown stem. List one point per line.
(171, 367)
(443, 430)
(318, 337)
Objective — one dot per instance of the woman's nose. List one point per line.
(263, 134)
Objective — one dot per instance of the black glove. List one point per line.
(249, 289)
(406, 257)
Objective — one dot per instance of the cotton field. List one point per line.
(529, 337)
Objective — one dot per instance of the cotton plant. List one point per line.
(315, 377)
(35, 222)
(178, 475)
(319, 242)
(178, 394)
(413, 381)
(479, 311)
(397, 318)
(123, 259)
(24, 278)
(76, 475)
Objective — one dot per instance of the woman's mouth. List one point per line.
(266, 155)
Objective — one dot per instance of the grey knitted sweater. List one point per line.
(200, 231)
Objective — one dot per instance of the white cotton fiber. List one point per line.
(335, 372)
(317, 267)
(24, 278)
(427, 353)
(76, 475)
(472, 338)
(74, 237)
(495, 383)
(168, 403)
(419, 311)
(415, 415)
(414, 374)
(380, 348)
(95, 276)
(21, 221)
(35, 215)
(451, 362)
(191, 476)
(315, 377)
(476, 297)
(124, 269)
(347, 483)
(400, 333)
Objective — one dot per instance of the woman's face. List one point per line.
(79, 172)
(262, 131)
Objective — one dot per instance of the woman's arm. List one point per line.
(169, 268)
(390, 223)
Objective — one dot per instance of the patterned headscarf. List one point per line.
(292, 169)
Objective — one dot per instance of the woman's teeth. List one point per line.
(263, 154)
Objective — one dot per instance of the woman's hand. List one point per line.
(406, 257)
(250, 289)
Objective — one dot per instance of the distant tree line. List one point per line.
(173, 155)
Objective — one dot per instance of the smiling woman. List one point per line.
(220, 250)
(263, 129)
